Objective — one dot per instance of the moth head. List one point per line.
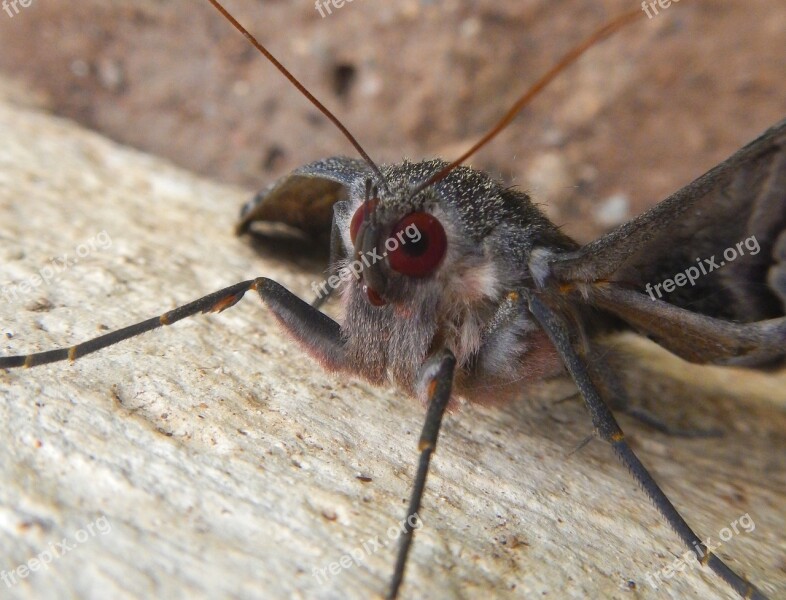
(388, 245)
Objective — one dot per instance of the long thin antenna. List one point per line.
(601, 34)
(301, 88)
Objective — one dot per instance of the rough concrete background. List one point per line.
(227, 465)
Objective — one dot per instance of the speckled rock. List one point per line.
(214, 460)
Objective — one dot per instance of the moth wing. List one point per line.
(304, 199)
(743, 196)
(693, 336)
(739, 204)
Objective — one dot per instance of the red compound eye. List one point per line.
(360, 215)
(416, 245)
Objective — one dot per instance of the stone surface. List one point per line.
(221, 462)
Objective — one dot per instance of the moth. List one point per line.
(451, 283)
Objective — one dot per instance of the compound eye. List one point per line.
(360, 215)
(422, 245)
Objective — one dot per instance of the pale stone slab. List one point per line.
(225, 464)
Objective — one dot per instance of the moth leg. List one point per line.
(692, 336)
(322, 298)
(776, 277)
(498, 339)
(507, 312)
(318, 332)
(609, 385)
(608, 429)
(437, 378)
(653, 421)
(325, 290)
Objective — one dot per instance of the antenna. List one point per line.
(601, 34)
(301, 88)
